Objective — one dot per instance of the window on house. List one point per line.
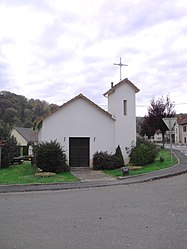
(125, 107)
(184, 128)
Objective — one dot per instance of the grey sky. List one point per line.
(54, 50)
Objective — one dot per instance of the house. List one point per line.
(82, 127)
(25, 138)
(157, 136)
(181, 129)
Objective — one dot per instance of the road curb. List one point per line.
(81, 185)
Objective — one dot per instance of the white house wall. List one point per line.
(184, 134)
(179, 134)
(80, 119)
(20, 139)
(125, 128)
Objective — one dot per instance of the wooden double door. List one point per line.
(79, 151)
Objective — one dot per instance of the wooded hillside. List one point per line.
(17, 110)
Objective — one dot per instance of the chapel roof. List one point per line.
(81, 96)
(125, 81)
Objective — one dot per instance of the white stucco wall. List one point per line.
(80, 119)
(179, 134)
(125, 128)
(184, 134)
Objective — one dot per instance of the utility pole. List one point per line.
(120, 66)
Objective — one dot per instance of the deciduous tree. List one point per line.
(158, 109)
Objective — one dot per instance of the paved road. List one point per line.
(181, 148)
(146, 215)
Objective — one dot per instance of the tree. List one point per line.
(10, 115)
(10, 149)
(158, 109)
(139, 122)
(16, 110)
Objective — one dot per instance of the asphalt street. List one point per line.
(182, 148)
(144, 215)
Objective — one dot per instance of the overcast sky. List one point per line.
(55, 49)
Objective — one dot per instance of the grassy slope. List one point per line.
(24, 173)
(156, 165)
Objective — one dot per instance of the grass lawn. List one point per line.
(24, 174)
(156, 165)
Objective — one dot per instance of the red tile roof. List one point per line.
(181, 119)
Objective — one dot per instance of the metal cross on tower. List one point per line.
(120, 65)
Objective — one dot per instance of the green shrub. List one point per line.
(50, 157)
(119, 158)
(10, 149)
(103, 160)
(145, 152)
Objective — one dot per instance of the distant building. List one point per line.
(25, 138)
(157, 136)
(180, 129)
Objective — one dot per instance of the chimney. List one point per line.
(112, 84)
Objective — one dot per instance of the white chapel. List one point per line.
(83, 128)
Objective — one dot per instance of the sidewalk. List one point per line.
(89, 175)
(178, 169)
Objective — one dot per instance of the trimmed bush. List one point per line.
(144, 153)
(119, 158)
(103, 160)
(50, 157)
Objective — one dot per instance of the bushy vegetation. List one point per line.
(103, 160)
(17, 110)
(144, 153)
(10, 149)
(50, 157)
